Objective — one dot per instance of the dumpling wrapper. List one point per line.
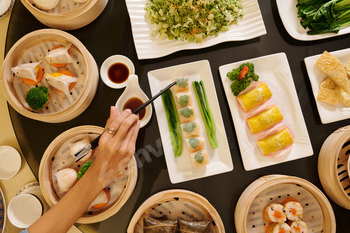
(199, 158)
(334, 70)
(195, 143)
(187, 114)
(182, 83)
(77, 146)
(191, 129)
(66, 178)
(27, 70)
(59, 55)
(101, 199)
(60, 81)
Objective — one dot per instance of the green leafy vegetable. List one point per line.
(37, 97)
(204, 108)
(198, 157)
(186, 112)
(239, 85)
(322, 16)
(84, 169)
(189, 127)
(193, 142)
(192, 20)
(173, 122)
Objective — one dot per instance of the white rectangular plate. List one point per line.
(180, 168)
(275, 69)
(289, 15)
(250, 26)
(328, 113)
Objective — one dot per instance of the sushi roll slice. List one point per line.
(77, 146)
(298, 227)
(101, 200)
(294, 211)
(195, 143)
(274, 213)
(183, 99)
(257, 94)
(187, 114)
(278, 228)
(199, 158)
(265, 119)
(62, 81)
(66, 178)
(59, 56)
(182, 84)
(275, 142)
(191, 129)
(31, 73)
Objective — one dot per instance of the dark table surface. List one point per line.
(111, 34)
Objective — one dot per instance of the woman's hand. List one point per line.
(116, 145)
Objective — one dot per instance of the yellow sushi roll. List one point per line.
(264, 120)
(275, 142)
(255, 97)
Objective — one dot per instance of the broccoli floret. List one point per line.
(84, 169)
(37, 97)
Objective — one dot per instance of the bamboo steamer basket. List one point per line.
(32, 39)
(250, 196)
(332, 166)
(71, 20)
(164, 197)
(46, 182)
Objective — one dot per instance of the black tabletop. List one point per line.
(111, 34)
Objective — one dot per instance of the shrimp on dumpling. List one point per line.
(77, 146)
(66, 178)
(59, 56)
(62, 81)
(31, 73)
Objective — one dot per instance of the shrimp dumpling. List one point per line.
(66, 178)
(59, 56)
(195, 143)
(101, 200)
(77, 146)
(27, 70)
(191, 129)
(60, 81)
(187, 114)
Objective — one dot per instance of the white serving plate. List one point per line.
(328, 113)
(180, 168)
(276, 69)
(250, 26)
(289, 16)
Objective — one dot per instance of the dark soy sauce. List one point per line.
(118, 73)
(133, 103)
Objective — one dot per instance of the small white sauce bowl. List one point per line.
(10, 162)
(108, 63)
(5, 7)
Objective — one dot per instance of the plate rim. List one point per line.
(5, 213)
(242, 148)
(229, 166)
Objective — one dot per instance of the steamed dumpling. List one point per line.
(101, 200)
(27, 70)
(77, 146)
(66, 178)
(60, 81)
(59, 56)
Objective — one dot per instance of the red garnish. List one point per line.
(243, 73)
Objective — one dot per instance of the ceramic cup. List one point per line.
(24, 210)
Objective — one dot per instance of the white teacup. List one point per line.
(24, 210)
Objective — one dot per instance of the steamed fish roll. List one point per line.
(182, 84)
(183, 99)
(195, 143)
(199, 158)
(258, 94)
(191, 129)
(187, 114)
(264, 120)
(278, 228)
(294, 211)
(66, 178)
(298, 227)
(274, 213)
(194, 226)
(275, 142)
(59, 56)
(151, 225)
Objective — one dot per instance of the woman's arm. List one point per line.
(114, 153)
